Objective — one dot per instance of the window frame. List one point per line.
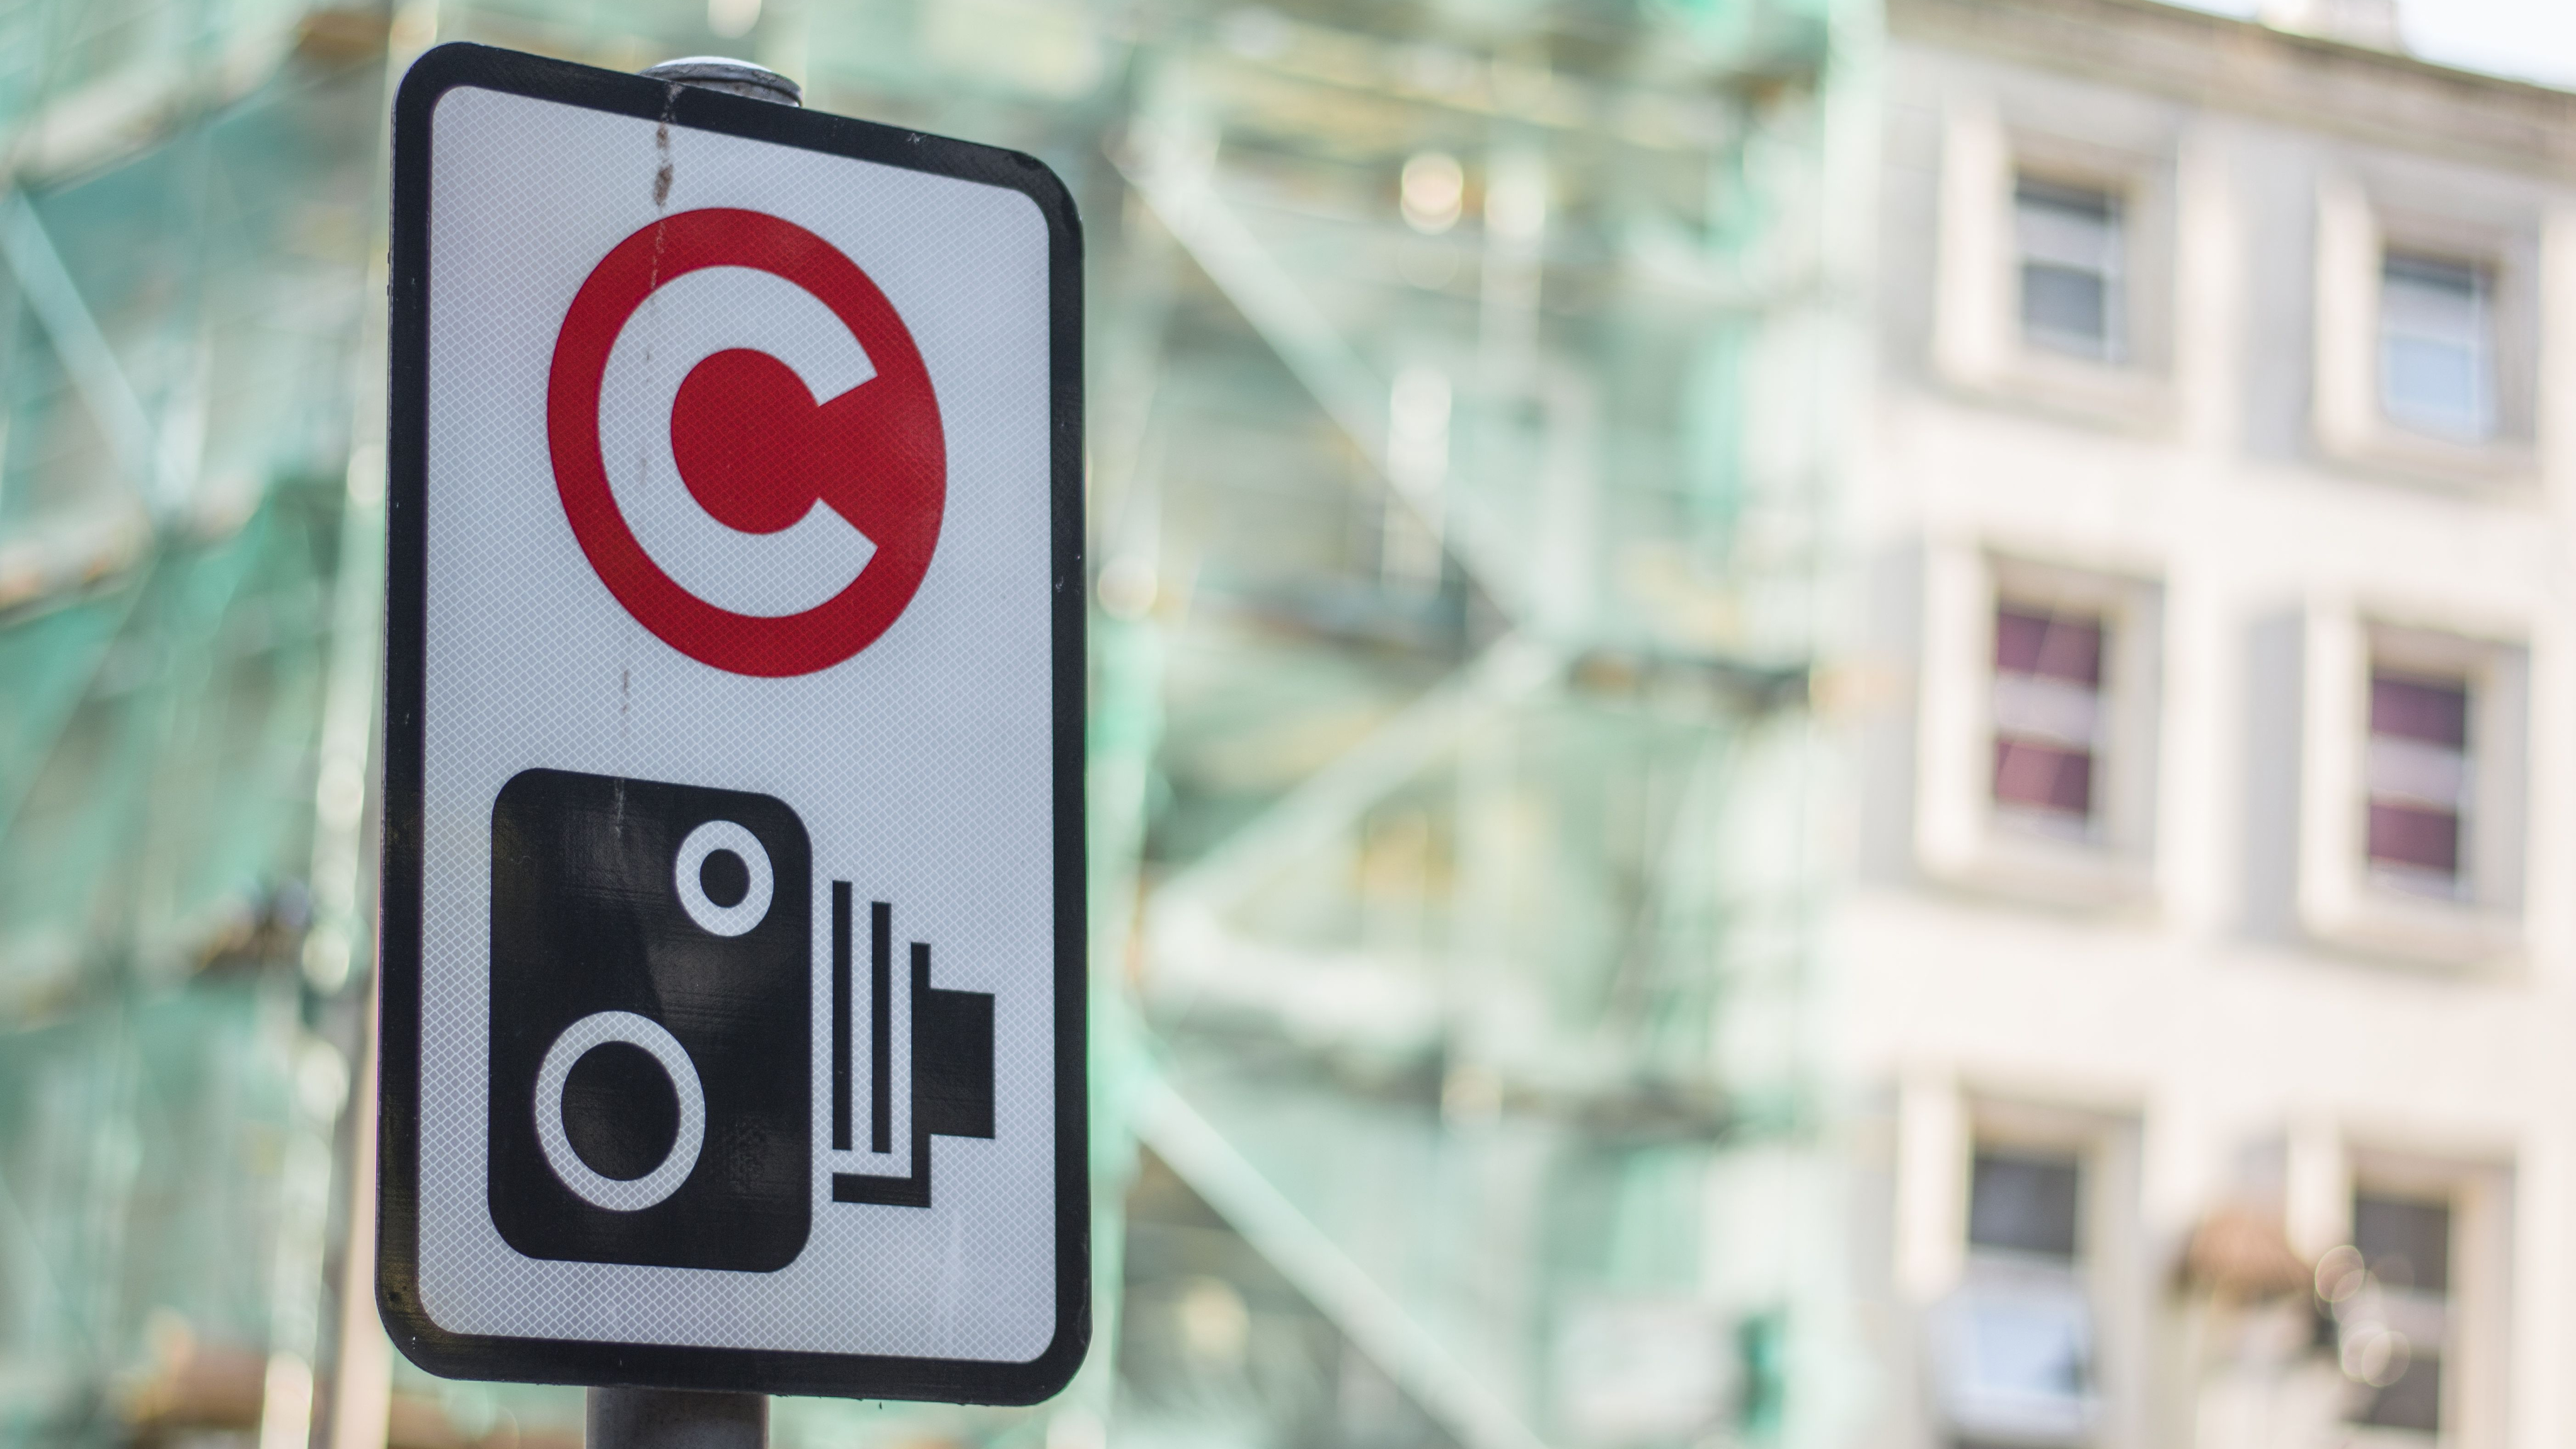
(2111, 1268)
(1962, 836)
(1978, 342)
(2361, 224)
(2422, 1162)
(2340, 902)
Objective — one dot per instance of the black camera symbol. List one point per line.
(651, 1071)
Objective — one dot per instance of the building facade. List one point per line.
(2210, 968)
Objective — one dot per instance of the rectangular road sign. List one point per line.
(732, 908)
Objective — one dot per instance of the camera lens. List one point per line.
(620, 1110)
(724, 877)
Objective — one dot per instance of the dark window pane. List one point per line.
(2076, 203)
(2414, 1401)
(2025, 1202)
(2406, 1242)
(2408, 835)
(2066, 309)
(2060, 646)
(2456, 278)
(2044, 777)
(2020, 636)
(2436, 712)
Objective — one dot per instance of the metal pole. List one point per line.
(722, 73)
(690, 1418)
(676, 1419)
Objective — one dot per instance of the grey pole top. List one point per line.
(723, 73)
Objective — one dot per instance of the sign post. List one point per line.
(732, 903)
(674, 1419)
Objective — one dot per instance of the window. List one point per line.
(2069, 240)
(2427, 346)
(2026, 1203)
(2022, 1341)
(2039, 722)
(2054, 261)
(2390, 1294)
(2437, 347)
(2418, 778)
(2416, 798)
(2048, 716)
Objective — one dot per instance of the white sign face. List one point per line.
(732, 896)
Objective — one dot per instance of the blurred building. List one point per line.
(1463, 479)
(2209, 963)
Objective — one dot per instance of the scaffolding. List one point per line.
(187, 601)
(1462, 477)
(1465, 385)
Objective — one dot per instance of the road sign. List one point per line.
(732, 905)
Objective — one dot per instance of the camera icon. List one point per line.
(651, 1008)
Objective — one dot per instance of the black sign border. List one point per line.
(533, 1360)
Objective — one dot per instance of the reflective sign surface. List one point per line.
(732, 897)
